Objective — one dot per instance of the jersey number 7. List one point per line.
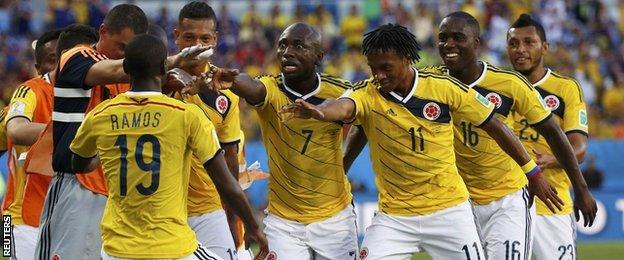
(153, 166)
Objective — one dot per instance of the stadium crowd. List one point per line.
(585, 46)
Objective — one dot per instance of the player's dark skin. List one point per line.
(458, 46)
(20, 130)
(395, 73)
(526, 49)
(227, 186)
(191, 32)
(299, 52)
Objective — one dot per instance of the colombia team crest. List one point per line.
(495, 99)
(432, 111)
(552, 102)
(222, 104)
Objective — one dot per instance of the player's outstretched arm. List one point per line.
(538, 186)
(561, 148)
(84, 165)
(231, 193)
(252, 90)
(354, 143)
(341, 110)
(22, 131)
(111, 71)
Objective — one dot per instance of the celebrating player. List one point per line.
(494, 180)
(197, 25)
(406, 115)
(80, 72)
(310, 212)
(29, 112)
(143, 139)
(526, 45)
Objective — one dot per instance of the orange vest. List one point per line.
(93, 181)
(36, 186)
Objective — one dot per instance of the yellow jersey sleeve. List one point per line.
(3, 134)
(471, 106)
(575, 116)
(360, 98)
(23, 103)
(84, 144)
(229, 129)
(202, 136)
(529, 103)
(271, 93)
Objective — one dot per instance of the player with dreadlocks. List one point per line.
(406, 115)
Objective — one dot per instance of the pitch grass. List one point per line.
(591, 251)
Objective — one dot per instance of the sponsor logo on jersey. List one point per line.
(17, 109)
(583, 117)
(552, 102)
(432, 111)
(484, 101)
(222, 104)
(495, 99)
(390, 112)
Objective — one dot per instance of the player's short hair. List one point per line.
(126, 16)
(158, 32)
(197, 10)
(526, 20)
(73, 35)
(42, 40)
(468, 19)
(392, 37)
(145, 56)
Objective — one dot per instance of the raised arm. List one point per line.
(342, 110)
(538, 186)
(111, 71)
(562, 150)
(235, 198)
(354, 143)
(252, 90)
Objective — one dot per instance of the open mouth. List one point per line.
(289, 66)
(521, 60)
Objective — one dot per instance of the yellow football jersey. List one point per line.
(3, 134)
(222, 110)
(411, 141)
(307, 181)
(488, 171)
(144, 141)
(564, 98)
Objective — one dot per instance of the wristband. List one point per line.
(531, 170)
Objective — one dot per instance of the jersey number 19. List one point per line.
(153, 166)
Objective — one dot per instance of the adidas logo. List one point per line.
(390, 112)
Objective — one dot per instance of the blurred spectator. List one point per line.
(592, 175)
(97, 11)
(352, 28)
(585, 38)
(62, 14)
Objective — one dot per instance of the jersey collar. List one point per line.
(481, 77)
(411, 93)
(299, 95)
(46, 77)
(543, 79)
(142, 93)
